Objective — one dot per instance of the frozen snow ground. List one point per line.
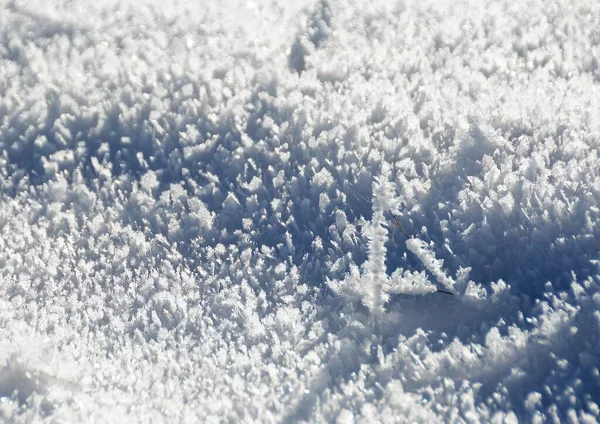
(197, 210)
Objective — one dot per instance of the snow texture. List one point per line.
(243, 211)
(420, 249)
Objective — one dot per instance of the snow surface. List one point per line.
(203, 211)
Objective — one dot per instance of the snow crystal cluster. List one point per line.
(309, 211)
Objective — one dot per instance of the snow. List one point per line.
(426, 256)
(244, 211)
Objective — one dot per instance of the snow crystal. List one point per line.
(434, 265)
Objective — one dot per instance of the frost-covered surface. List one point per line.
(203, 208)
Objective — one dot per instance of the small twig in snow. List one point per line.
(398, 224)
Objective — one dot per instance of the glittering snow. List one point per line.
(318, 210)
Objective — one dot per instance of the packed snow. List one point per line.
(310, 211)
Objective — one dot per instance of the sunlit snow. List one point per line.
(307, 211)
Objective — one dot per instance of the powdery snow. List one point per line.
(244, 211)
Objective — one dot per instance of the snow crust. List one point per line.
(244, 211)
